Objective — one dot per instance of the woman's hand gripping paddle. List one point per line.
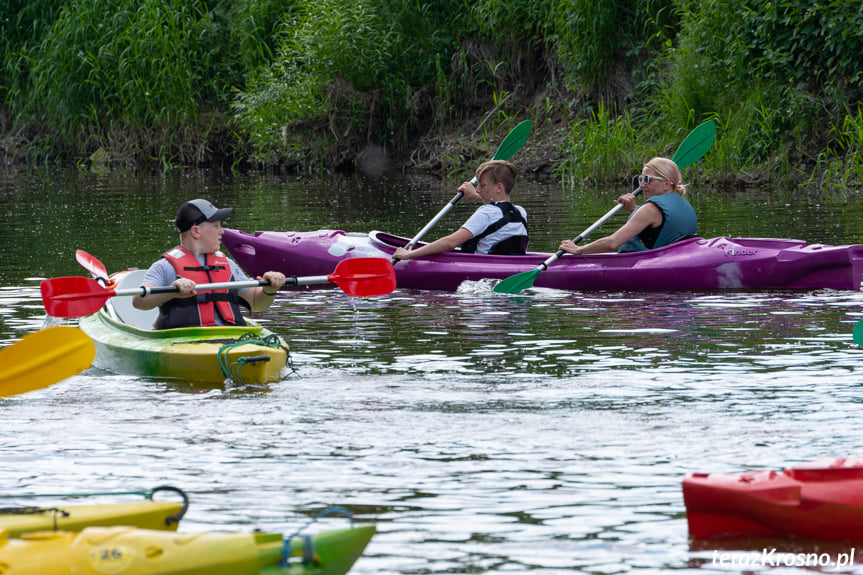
(78, 296)
(510, 145)
(43, 358)
(692, 149)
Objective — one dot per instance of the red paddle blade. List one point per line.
(73, 296)
(364, 277)
(91, 264)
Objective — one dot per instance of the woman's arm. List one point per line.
(646, 215)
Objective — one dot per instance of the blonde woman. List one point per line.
(664, 218)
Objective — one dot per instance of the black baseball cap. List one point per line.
(194, 212)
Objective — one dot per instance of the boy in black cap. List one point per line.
(197, 260)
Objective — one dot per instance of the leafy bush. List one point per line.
(778, 72)
(148, 78)
(365, 68)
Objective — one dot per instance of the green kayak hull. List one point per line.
(198, 354)
(131, 551)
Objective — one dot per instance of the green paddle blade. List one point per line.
(695, 145)
(858, 333)
(517, 283)
(513, 141)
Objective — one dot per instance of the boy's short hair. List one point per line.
(500, 172)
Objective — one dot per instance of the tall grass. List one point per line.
(841, 165)
(365, 71)
(602, 148)
(313, 82)
(23, 23)
(142, 78)
(122, 65)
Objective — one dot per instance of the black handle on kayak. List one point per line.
(179, 515)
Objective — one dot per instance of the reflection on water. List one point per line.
(557, 333)
(482, 433)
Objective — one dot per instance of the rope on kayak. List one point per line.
(58, 512)
(146, 494)
(233, 370)
(55, 512)
(309, 557)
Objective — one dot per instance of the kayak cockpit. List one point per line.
(120, 309)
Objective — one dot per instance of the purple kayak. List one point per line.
(691, 264)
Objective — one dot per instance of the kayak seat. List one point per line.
(123, 308)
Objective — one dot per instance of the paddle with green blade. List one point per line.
(44, 358)
(510, 145)
(692, 149)
(858, 333)
(79, 296)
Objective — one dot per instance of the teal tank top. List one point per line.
(679, 221)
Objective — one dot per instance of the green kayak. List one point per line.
(126, 343)
(132, 551)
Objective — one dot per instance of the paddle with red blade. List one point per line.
(92, 265)
(79, 296)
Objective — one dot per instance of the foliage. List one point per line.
(364, 67)
(843, 159)
(312, 83)
(22, 25)
(777, 72)
(256, 29)
(602, 149)
(592, 37)
(128, 68)
(514, 38)
(146, 78)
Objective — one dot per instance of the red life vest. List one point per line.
(201, 309)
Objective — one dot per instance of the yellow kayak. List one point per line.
(126, 343)
(131, 551)
(147, 514)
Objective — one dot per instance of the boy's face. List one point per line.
(210, 235)
(488, 190)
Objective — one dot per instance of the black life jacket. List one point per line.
(511, 246)
(201, 310)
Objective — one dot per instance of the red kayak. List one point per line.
(821, 500)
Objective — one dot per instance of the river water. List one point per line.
(546, 433)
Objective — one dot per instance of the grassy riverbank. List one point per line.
(393, 84)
